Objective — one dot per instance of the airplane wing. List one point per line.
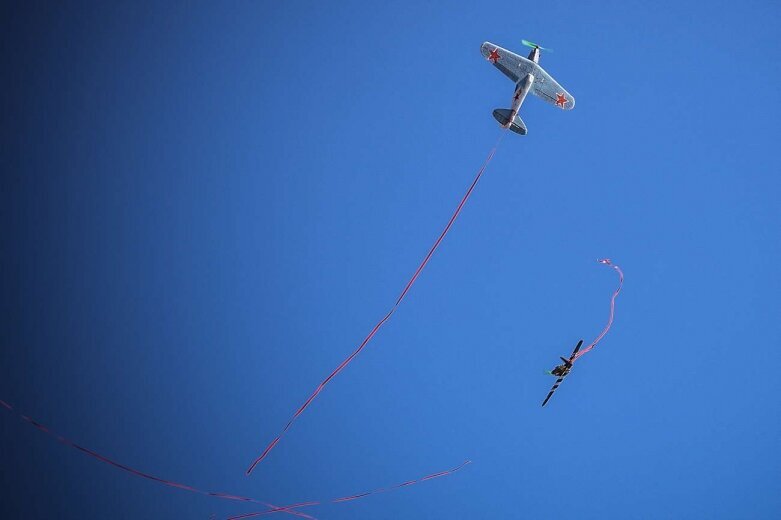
(509, 63)
(555, 386)
(548, 89)
(577, 347)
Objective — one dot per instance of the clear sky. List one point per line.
(206, 207)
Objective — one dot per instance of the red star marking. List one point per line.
(494, 56)
(561, 100)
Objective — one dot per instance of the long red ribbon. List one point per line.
(379, 324)
(138, 473)
(351, 497)
(289, 509)
(607, 262)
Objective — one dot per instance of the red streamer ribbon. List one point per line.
(607, 262)
(351, 497)
(138, 473)
(379, 324)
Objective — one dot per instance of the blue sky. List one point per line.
(206, 208)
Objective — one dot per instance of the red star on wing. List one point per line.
(561, 100)
(493, 57)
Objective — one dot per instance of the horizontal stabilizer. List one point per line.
(503, 116)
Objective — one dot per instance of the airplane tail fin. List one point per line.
(503, 116)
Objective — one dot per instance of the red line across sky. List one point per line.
(380, 323)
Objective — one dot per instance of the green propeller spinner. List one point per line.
(535, 46)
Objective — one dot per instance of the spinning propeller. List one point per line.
(535, 46)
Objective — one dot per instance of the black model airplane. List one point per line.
(561, 371)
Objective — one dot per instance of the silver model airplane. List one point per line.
(527, 76)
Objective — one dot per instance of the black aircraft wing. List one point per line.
(555, 386)
(577, 347)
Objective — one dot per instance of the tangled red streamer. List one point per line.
(607, 262)
(379, 324)
(351, 497)
(138, 473)
(289, 509)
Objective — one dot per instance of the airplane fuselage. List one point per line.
(521, 89)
